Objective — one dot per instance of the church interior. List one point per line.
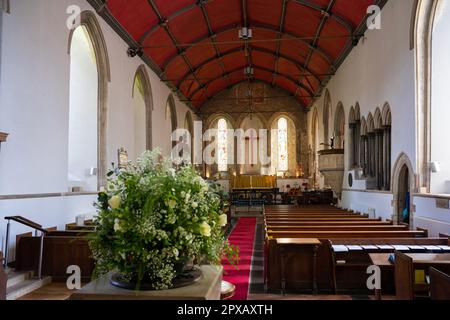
(224, 150)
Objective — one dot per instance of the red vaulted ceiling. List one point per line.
(194, 45)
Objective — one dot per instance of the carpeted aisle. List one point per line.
(242, 236)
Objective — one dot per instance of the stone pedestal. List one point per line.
(208, 288)
(331, 165)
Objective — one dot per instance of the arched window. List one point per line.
(222, 145)
(83, 113)
(89, 77)
(143, 106)
(440, 95)
(283, 153)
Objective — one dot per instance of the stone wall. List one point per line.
(268, 104)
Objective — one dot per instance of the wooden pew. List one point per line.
(439, 285)
(406, 266)
(356, 260)
(3, 279)
(287, 227)
(345, 234)
(331, 223)
(61, 250)
(348, 277)
(320, 219)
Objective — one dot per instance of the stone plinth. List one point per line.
(208, 288)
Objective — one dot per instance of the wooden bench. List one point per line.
(439, 285)
(61, 250)
(286, 227)
(406, 267)
(332, 223)
(345, 234)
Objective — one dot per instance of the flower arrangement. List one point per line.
(153, 218)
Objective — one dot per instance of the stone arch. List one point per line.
(422, 26)
(143, 76)
(370, 123)
(315, 143)
(386, 115)
(363, 126)
(89, 20)
(351, 115)
(244, 116)
(173, 112)
(377, 118)
(357, 112)
(212, 119)
(339, 126)
(402, 166)
(327, 111)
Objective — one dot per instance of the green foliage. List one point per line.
(152, 217)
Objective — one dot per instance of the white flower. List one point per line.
(183, 194)
(223, 220)
(172, 172)
(115, 202)
(194, 205)
(171, 204)
(205, 229)
(117, 225)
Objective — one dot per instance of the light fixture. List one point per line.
(245, 33)
(249, 71)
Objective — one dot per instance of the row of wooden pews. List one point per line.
(327, 249)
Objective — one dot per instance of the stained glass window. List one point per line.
(283, 145)
(222, 145)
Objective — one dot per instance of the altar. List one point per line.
(207, 288)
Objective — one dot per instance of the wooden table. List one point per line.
(289, 246)
(208, 288)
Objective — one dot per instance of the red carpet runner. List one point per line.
(243, 236)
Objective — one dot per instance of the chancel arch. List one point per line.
(89, 77)
(143, 108)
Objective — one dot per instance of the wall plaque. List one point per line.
(442, 203)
